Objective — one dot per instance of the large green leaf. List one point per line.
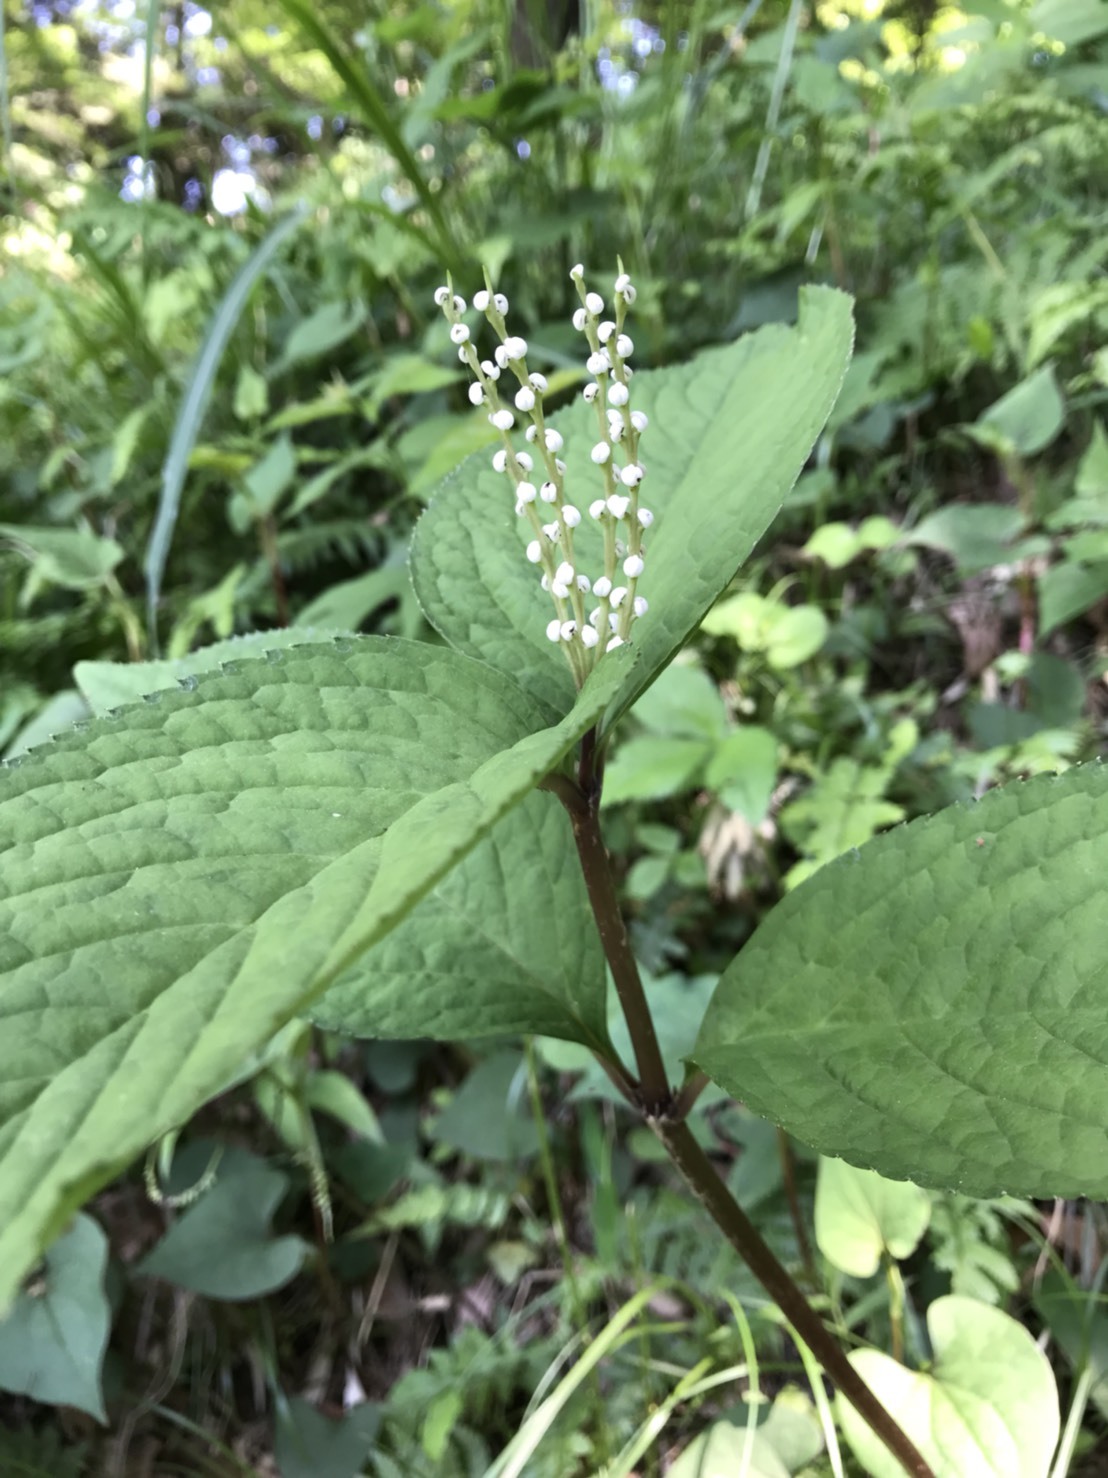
(506, 939)
(935, 1005)
(183, 876)
(729, 433)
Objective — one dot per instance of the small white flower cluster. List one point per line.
(585, 635)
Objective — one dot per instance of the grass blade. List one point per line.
(195, 404)
(366, 98)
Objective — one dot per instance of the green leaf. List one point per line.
(507, 937)
(1025, 420)
(1068, 589)
(934, 1005)
(729, 433)
(108, 685)
(223, 1246)
(988, 1408)
(1078, 1322)
(489, 1118)
(257, 835)
(788, 635)
(325, 329)
(269, 478)
(76, 559)
(724, 1451)
(190, 417)
(1092, 471)
(683, 703)
(975, 535)
(310, 1445)
(861, 1216)
(651, 767)
(743, 770)
(53, 1338)
(836, 544)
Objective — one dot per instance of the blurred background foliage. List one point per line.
(226, 397)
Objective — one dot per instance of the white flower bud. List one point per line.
(459, 334)
(571, 516)
(463, 355)
(625, 346)
(605, 330)
(492, 371)
(577, 271)
(459, 304)
(538, 382)
(441, 296)
(553, 531)
(589, 636)
(545, 583)
(583, 583)
(618, 394)
(641, 606)
(534, 552)
(481, 300)
(645, 517)
(598, 364)
(500, 354)
(629, 294)
(598, 509)
(549, 492)
(631, 475)
(560, 589)
(525, 399)
(616, 429)
(500, 461)
(503, 420)
(559, 467)
(569, 629)
(622, 283)
(618, 505)
(525, 492)
(590, 392)
(554, 630)
(565, 572)
(640, 420)
(615, 641)
(600, 453)
(515, 347)
(613, 621)
(594, 303)
(523, 460)
(532, 432)
(618, 595)
(594, 617)
(476, 394)
(554, 440)
(500, 303)
(602, 588)
(580, 318)
(633, 566)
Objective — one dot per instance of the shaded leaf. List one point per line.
(860, 1216)
(53, 1338)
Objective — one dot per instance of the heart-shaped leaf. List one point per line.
(988, 1408)
(179, 879)
(729, 434)
(222, 1246)
(935, 1005)
(860, 1216)
(52, 1340)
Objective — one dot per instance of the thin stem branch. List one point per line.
(688, 1093)
(703, 1180)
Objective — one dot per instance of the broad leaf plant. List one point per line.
(401, 839)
